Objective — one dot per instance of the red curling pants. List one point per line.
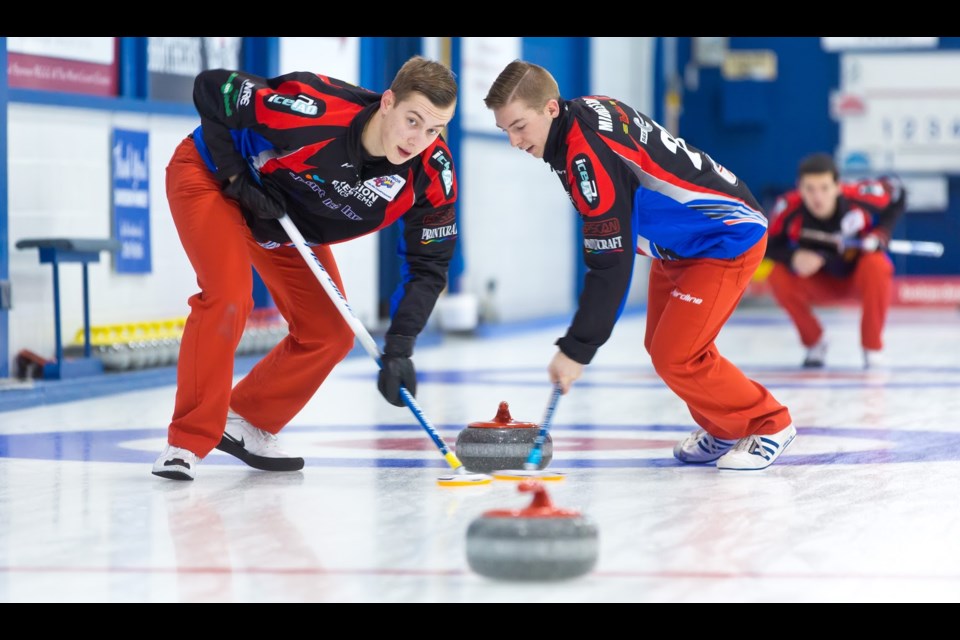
(688, 303)
(871, 281)
(222, 251)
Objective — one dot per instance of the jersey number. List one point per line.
(673, 144)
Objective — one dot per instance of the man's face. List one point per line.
(819, 192)
(526, 127)
(410, 126)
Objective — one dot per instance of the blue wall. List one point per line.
(761, 130)
(786, 119)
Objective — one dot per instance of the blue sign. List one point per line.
(131, 201)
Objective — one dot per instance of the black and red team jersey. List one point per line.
(863, 206)
(301, 132)
(638, 189)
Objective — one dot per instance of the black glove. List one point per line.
(397, 370)
(262, 201)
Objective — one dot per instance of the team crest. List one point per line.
(386, 186)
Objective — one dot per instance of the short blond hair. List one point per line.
(432, 79)
(524, 81)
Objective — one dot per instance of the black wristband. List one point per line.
(398, 346)
(576, 350)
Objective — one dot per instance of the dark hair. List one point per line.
(818, 163)
(432, 79)
(524, 81)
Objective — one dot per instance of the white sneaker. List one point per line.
(757, 452)
(176, 464)
(872, 359)
(700, 446)
(816, 355)
(256, 447)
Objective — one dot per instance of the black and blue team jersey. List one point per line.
(638, 189)
(302, 133)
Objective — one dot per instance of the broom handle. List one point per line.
(366, 340)
(905, 247)
(536, 454)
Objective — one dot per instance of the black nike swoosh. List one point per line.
(234, 440)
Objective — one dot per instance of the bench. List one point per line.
(55, 251)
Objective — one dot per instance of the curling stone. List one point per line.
(501, 443)
(541, 542)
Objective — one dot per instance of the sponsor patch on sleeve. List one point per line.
(871, 188)
(600, 246)
(439, 227)
(441, 162)
(599, 228)
(602, 236)
(585, 178)
(301, 105)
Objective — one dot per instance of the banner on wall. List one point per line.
(174, 62)
(76, 65)
(131, 201)
(482, 60)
